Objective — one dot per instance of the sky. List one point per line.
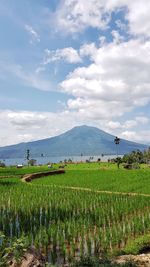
(65, 63)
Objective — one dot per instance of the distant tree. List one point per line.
(135, 156)
(119, 161)
(69, 160)
(28, 154)
(146, 156)
(117, 142)
(2, 164)
(32, 162)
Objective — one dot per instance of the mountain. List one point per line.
(84, 140)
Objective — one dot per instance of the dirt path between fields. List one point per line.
(30, 177)
(101, 191)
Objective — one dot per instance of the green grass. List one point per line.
(97, 166)
(47, 214)
(14, 171)
(110, 180)
(91, 166)
(138, 246)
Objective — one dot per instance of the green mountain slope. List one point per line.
(83, 139)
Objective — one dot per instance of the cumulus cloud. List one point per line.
(75, 16)
(130, 129)
(138, 17)
(117, 81)
(88, 50)
(33, 34)
(140, 136)
(68, 54)
(117, 38)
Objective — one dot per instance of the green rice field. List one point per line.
(69, 216)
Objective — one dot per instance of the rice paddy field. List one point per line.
(90, 210)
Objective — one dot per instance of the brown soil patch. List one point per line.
(142, 260)
(31, 258)
(30, 177)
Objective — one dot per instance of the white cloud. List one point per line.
(95, 109)
(117, 38)
(67, 54)
(122, 26)
(142, 120)
(140, 136)
(21, 120)
(138, 17)
(130, 129)
(29, 78)
(39, 69)
(88, 50)
(76, 15)
(28, 126)
(116, 82)
(102, 40)
(33, 34)
(113, 125)
(129, 124)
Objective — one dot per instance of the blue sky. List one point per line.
(65, 63)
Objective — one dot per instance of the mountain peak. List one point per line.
(86, 131)
(84, 139)
(82, 127)
(85, 128)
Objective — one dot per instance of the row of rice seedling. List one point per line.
(109, 180)
(64, 223)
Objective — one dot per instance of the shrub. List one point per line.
(2, 164)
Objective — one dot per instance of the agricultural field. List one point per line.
(102, 177)
(69, 216)
(13, 171)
